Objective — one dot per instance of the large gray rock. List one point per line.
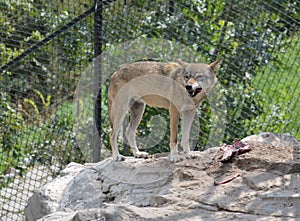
(155, 189)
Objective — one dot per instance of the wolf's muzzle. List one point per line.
(193, 92)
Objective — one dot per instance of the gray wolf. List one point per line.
(178, 86)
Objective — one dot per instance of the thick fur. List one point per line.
(177, 86)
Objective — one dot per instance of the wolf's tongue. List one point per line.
(198, 90)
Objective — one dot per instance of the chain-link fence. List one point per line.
(53, 50)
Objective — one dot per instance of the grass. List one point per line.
(279, 84)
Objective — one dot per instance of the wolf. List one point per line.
(178, 86)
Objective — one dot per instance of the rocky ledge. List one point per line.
(266, 187)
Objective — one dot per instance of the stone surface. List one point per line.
(156, 189)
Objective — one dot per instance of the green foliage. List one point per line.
(280, 88)
(247, 34)
(36, 118)
(56, 143)
(39, 104)
(57, 63)
(12, 152)
(36, 85)
(51, 142)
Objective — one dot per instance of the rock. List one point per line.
(47, 200)
(272, 138)
(156, 189)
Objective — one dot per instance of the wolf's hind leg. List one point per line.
(136, 113)
(119, 115)
(187, 121)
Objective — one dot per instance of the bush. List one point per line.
(12, 151)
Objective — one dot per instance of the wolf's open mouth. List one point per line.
(193, 93)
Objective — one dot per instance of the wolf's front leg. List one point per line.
(174, 118)
(187, 120)
(174, 155)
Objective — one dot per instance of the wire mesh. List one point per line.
(47, 47)
(36, 138)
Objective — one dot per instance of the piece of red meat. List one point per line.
(237, 148)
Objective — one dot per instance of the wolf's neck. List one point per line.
(199, 97)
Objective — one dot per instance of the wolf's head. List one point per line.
(199, 77)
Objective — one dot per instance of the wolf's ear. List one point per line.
(216, 65)
(182, 63)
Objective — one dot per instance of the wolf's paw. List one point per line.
(118, 157)
(191, 154)
(141, 154)
(175, 157)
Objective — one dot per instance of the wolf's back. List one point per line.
(128, 72)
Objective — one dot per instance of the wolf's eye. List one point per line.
(186, 75)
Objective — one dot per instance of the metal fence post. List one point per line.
(171, 7)
(98, 79)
